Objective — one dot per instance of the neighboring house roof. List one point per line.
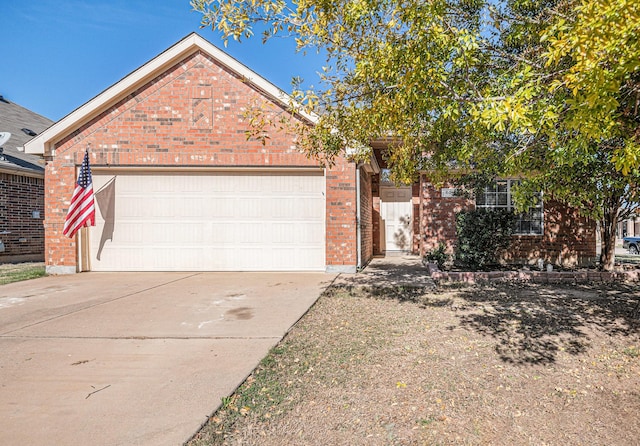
(45, 142)
(23, 125)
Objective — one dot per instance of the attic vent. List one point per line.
(4, 100)
(29, 132)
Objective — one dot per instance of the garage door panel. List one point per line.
(127, 257)
(249, 208)
(129, 233)
(191, 207)
(311, 256)
(307, 234)
(257, 221)
(129, 207)
(313, 210)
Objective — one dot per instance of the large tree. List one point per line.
(542, 88)
(580, 106)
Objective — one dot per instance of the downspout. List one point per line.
(358, 220)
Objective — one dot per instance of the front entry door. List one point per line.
(395, 213)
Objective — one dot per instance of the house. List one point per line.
(21, 185)
(179, 187)
(629, 227)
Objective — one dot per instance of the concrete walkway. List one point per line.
(135, 359)
(390, 272)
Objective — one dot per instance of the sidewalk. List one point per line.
(390, 272)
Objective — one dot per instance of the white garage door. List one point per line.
(208, 221)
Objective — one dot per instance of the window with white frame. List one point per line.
(498, 195)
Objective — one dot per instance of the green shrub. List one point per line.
(438, 255)
(482, 235)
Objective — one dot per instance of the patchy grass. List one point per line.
(628, 259)
(16, 272)
(496, 364)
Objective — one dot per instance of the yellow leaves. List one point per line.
(627, 157)
(401, 385)
(599, 41)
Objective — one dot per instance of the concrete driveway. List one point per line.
(132, 358)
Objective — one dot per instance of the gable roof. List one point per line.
(45, 142)
(13, 119)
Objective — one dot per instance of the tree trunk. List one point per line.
(608, 238)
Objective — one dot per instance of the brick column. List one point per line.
(341, 250)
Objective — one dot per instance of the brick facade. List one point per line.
(191, 115)
(437, 217)
(341, 218)
(568, 239)
(21, 231)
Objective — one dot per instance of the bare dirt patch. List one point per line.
(500, 364)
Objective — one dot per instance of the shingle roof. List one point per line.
(14, 118)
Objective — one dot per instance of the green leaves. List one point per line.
(481, 235)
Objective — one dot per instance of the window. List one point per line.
(498, 195)
(385, 177)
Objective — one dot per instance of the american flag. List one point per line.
(82, 211)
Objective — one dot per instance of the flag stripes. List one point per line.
(82, 211)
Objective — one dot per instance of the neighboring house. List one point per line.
(180, 188)
(629, 227)
(21, 185)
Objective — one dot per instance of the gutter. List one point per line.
(10, 169)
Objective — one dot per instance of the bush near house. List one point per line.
(438, 255)
(481, 235)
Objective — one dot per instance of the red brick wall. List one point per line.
(341, 217)
(568, 239)
(191, 115)
(366, 217)
(23, 236)
(438, 223)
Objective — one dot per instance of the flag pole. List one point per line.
(81, 212)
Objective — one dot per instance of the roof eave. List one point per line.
(16, 170)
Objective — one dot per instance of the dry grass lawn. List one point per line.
(16, 272)
(496, 364)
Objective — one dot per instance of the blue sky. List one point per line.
(55, 55)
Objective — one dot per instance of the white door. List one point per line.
(395, 213)
(208, 221)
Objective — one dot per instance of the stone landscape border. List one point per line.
(574, 277)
